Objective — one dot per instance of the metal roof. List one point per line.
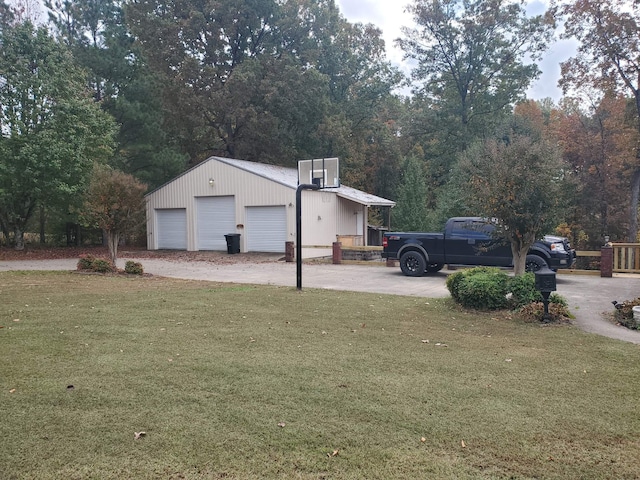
(289, 177)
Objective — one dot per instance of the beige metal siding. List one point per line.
(249, 190)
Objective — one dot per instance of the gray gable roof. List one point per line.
(289, 177)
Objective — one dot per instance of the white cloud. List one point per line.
(389, 16)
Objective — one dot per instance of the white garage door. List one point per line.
(172, 228)
(216, 217)
(266, 229)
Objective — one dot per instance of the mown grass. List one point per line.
(209, 371)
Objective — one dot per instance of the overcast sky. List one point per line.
(389, 16)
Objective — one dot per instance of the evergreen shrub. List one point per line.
(482, 288)
(89, 263)
(134, 268)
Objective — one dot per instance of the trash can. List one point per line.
(233, 242)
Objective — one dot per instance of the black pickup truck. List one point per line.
(470, 241)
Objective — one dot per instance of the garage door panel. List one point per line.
(266, 228)
(172, 228)
(216, 217)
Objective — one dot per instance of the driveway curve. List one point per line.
(589, 297)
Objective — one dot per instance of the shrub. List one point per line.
(134, 268)
(91, 264)
(453, 285)
(558, 300)
(85, 262)
(102, 265)
(482, 288)
(487, 288)
(523, 290)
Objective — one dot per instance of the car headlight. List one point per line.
(558, 247)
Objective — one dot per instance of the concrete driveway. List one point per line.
(589, 296)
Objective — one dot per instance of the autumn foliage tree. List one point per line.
(598, 146)
(515, 178)
(115, 203)
(608, 61)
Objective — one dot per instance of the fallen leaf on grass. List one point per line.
(425, 341)
(335, 453)
(422, 439)
(281, 424)
(508, 360)
(12, 390)
(464, 445)
(139, 435)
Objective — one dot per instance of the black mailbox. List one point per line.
(545, 280)
(545, 284)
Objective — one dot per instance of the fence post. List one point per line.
(606, 261)
(337, 253)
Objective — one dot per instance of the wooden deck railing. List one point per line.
(626, 257)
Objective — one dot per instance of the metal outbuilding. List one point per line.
(223, 196)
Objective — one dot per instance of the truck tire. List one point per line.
(413, 264)
(533, 263)
(434, 267)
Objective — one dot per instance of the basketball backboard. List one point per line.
(323, 171)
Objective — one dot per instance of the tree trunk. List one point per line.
(520, 246)
(18, 237)
(5, 232)
(519, 258)
(113, 238)
(43, 238)
(633, 207)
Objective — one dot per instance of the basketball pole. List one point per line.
(314, 186)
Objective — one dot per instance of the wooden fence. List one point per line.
(626, 257)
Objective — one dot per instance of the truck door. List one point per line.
(471, 242)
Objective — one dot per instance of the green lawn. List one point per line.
(242, 382)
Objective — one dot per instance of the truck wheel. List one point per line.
(534, 263)
(413, 264)
(434, 267)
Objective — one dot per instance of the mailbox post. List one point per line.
(545, 284)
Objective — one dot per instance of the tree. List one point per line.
(52, 132)
(6, 14)
(474, 60)
(608, 61)
(115, 203)
(471, 56)
(265, 80)
(597, 143)
(515, 178)
(410, 213)
(122, 84)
